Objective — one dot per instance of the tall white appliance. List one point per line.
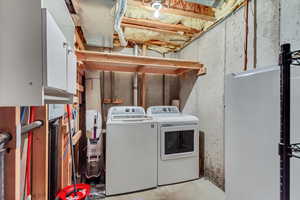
(252, 134)
(131, 151)
(178, 145)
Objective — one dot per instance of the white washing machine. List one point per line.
(131, 151)
(178, 144)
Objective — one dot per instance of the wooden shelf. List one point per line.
(113, 101)
(126, 63)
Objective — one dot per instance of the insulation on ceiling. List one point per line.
(135, 12)
(178, 40)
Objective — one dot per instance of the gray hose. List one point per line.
(4, 139)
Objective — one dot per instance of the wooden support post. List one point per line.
(10, 122)
(40, 157)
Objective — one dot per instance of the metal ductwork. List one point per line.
(100, 19)
(120, 12)
(97, 21)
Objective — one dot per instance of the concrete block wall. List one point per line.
(221, 51)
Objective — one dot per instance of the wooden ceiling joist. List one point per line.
(80, 41)
(155, 29)
(171, 28)
(206, 13)
(148, 43)
(126, 63)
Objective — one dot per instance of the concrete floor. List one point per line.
(195, 190)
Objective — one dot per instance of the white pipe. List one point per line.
(135, 79)
(120, 12)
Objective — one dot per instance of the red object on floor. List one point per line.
(83, 191)
(28, 161)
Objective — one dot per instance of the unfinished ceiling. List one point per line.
(179, 22)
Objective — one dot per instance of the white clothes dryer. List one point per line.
(178, 144)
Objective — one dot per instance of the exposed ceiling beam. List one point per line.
(159, 25)
(70, 6)
(155, 29)
(162, 43)
(127, 60)
(207, 14)
(148, 43)
(79, 38)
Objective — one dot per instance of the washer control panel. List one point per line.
(126, 112)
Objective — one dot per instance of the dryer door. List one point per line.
(179, 141)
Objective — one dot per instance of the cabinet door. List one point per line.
(72, 72)
(62, 16)
(55, 54)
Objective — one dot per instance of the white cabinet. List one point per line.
(37, 62)
(60, 13)
(54, 53)
(71, 72)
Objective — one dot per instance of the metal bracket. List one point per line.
(295, 148)
(290, 149)
(295, 58)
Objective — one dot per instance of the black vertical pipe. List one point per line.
(285, 92)
(53, 155)
(164, 90)
(4, 139)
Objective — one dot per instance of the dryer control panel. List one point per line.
(158, 110)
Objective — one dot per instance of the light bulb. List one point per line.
(156, 14)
